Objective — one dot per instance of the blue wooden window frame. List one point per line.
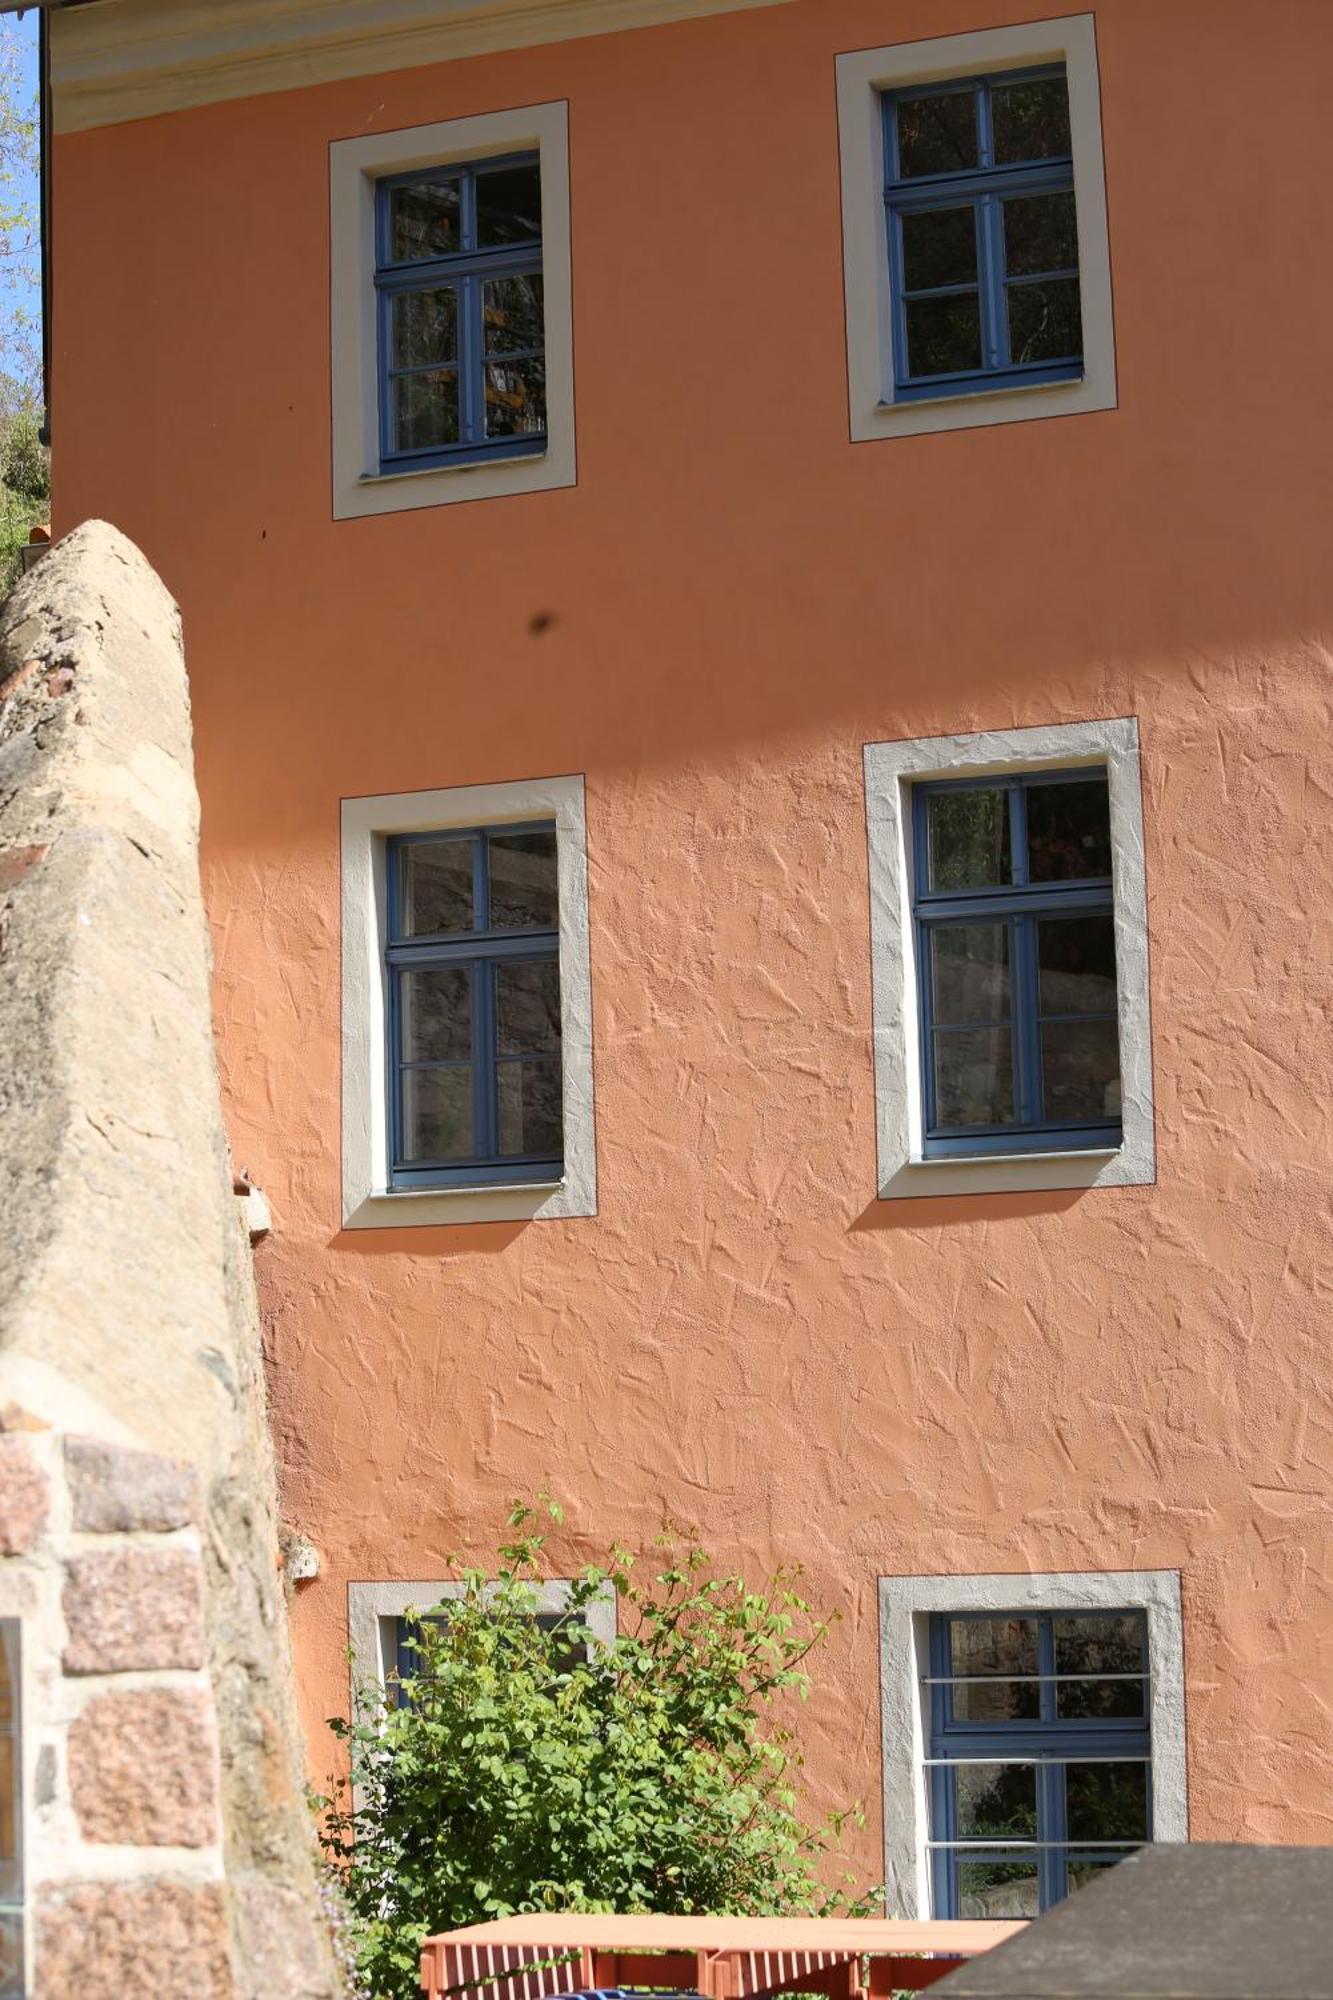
(1021, 903)
(466, 270)
(11, 1871)
(478, 951)
(984, 188)
(1048, 1743)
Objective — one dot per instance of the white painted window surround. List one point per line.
(368, 1202)
(891, 769)
(863, 75)
(374, 1609)
(905, 1607)
(355, 165)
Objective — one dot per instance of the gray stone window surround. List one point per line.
(374, 1609)
(891, 769)
(905, 1607)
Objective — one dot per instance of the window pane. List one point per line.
(426, 410)
(436, 1014)
(436, 891)
(1113, 1643)
(968, 837)
(424, 326)
(530, 1107)
(527, 1000)
(1045, 321)
(1076, 965)
(1069, 831)
(1110, 1642)
(939, 248)
(937, 134)
(996, 1701)
(943, 334)
(515, 398)
(1106, 1801)
(11, 1958)
(996, 1801)
(1040, 233)
(423, 220)
(993, 1645)
(1080, 1067)
(509, 205)
(974, 1082)
(523, 881)
(997, 1889)
(970, 971)
(1030, 120)
(1080, 1873)
(437, 1114)
(9, 1840)
(512, 310)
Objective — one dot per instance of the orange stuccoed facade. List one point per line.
(728, 603)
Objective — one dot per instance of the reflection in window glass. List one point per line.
(1040, 1770)
(11, 1816)
(1016, 946)
(475, 1012)
(462, 334)
(983, 236)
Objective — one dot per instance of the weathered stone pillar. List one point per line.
(166, 1843)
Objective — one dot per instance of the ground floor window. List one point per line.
(1040, 1754)
(11, 1785)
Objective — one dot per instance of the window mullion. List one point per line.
(994, 314)
(393, 1062)
(1026, 1033)
(483, 1060)
(1051, 1831)
(985, 126)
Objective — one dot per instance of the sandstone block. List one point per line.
(114, 1488)
(154, 1940)
(133, 1609)
(24, 1496)
(143, 1768)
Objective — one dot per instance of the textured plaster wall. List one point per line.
(710, 625)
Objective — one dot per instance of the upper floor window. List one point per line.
(473, 967)
(1016, 962)
(1040, 1755)
(461, 332)
(982, 234)
(976, 251)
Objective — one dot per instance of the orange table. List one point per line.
(723, 1958)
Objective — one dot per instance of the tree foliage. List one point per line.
(24, 476)
(525, 1767)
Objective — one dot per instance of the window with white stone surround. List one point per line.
(539, 825)
(377, 1613)
(951, 325)
(1067, 1103)
(921, 1855)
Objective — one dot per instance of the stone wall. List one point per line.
(166, 1842)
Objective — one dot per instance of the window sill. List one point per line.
(984, 391)
(411, 472)
(435, 1207)
(404, 487)
(1009, 402)
(467, 1187)
(1013, 1159)
(943, 1175)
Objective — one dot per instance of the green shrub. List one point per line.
(526, 1767)
(25, 483)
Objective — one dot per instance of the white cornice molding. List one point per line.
(138, 58)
